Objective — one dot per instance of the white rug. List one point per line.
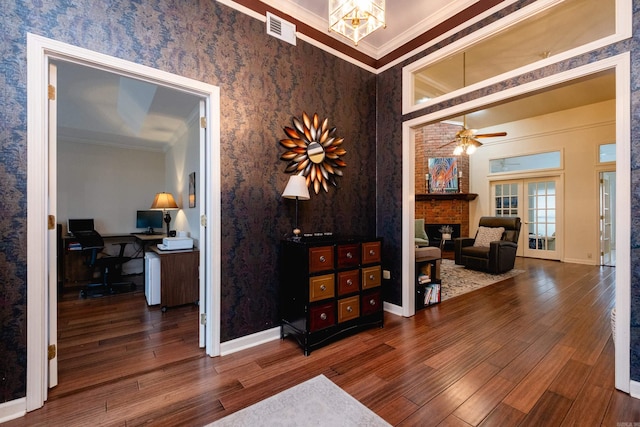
(316, 402)
(457, 280)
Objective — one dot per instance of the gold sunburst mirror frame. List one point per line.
(313, 151)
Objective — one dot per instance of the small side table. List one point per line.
(443, 240)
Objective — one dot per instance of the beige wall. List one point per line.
(577, 133)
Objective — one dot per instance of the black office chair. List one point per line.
(110, 266)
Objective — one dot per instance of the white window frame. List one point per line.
(623, 30)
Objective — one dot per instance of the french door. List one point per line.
(607, 216)
(534, 200)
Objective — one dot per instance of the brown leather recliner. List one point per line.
(499, 256)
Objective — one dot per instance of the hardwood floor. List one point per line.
(534, 350)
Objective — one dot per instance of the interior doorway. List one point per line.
(41, 296)
(620, 65)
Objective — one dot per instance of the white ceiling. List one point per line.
(100, 107)
(152, 117)
(406, 19)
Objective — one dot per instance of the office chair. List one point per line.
(110, 266)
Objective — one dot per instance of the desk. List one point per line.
(147, 239)
(73, 267)
(179, 277)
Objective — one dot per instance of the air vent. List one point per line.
(281, 29)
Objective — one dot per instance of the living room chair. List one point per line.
(494, 247)
(420, 235)
(110, 267)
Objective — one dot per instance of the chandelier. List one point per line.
(356, 19)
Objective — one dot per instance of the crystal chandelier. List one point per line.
(355, 19)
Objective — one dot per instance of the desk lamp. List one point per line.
(296, 189)
(166, 202)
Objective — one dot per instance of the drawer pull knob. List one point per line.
(372, 252)
(323, 288)
(323, 316)
(349, 309)
(322, 258)
(349, 255)
(371, 277)
(349, 282)
(372, 302)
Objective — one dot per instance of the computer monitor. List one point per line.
(74, 225)
(149, 220)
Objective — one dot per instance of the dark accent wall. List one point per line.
(264, 82)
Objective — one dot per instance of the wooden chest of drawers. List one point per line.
(330, 288)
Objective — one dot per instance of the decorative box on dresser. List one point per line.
(330, 287)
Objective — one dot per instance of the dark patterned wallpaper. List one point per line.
(263, 82)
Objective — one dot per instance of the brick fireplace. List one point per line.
(440, 208)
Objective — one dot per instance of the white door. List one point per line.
(534, 201)
(52, 236)
(201, 195)
(540, 226)
(607, 215)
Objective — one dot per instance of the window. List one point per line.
(506, 199)
(530, 162)
(607, 153)
(515, 44)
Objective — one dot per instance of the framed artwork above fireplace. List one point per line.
(443, 175)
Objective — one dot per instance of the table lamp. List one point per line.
(166, 202)
(296, 189)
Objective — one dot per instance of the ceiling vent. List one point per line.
(281, 29)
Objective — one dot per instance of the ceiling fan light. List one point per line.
(458, 150)
(356, 19)
(471, 149)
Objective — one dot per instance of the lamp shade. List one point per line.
(296, 188)
(164, 201)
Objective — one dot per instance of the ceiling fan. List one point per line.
(467, 142)
(466, 138)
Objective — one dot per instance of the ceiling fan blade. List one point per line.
(490, 135)
(475, 142)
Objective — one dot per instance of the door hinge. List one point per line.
(203, 220)
(203, 318)
(203, 122)
(51, 352)
(51, 222)
(51, 93)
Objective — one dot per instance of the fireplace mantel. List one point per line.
(446, 196)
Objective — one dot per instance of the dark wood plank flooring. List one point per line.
(534, 350)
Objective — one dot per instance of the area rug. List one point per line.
(316, 402)
(457, 280)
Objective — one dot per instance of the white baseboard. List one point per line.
(249, 341)
(392, 308)
(273, 334)
(634, 389)
(13, 409)
(581, 261)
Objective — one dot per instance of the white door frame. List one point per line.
(622, 66)
(39, 51)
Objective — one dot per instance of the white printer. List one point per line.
(175, 243)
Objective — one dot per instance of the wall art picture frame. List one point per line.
(443, 175)
(192, 190)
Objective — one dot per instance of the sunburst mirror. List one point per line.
(313, 151)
